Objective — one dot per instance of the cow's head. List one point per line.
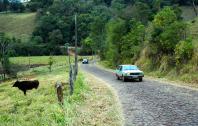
(16, 84)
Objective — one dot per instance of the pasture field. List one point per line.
(37, 60)
(39, 107)
(19, 25)
(89, 105)
(42, 59)
(24, 63)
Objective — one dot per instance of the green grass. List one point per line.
(21, 64)
(40, 107)
(37, 60)
(90, 103)
(43, 59)
(20, 25)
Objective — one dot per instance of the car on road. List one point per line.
(85, 61)
(124, 72)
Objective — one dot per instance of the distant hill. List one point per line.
(188, 12)
(17, 24)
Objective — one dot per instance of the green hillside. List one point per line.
(193, 27)
(187, 12)
(18, 25)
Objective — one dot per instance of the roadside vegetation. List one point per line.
(149, 33)
(156, 38)
(87, 106)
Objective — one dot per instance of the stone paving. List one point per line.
(152, 103)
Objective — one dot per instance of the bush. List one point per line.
(166, 63)
(25, 49)
(183, 51)
(167, 32)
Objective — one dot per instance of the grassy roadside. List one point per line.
(107, 110)
(39, 107)
(186, 80)
(91, 104)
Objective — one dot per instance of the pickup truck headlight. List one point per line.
(126, 74)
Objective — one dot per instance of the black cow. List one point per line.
(26, 85)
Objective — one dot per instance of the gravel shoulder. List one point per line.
(102, 107)
(151, 102)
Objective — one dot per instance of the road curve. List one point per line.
(152, 103)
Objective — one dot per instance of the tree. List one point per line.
(167, 32)
(88, 46)
(100, 15)
(164, 18)
(34, 5)
(108, 2)
(183, 51)
(50, 63)
(98, 35)
(56, 37)
(84, 24)
(132, 42)
(157, 5)
(174, 33)
(17, 6)
(143, 12)
(6, 4)
(115, 30)
(162, 22)
(4, 53)
(194, 7)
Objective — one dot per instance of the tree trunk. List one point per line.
(71, 82)
(194, 7)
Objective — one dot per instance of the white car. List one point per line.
(85, 61)
(125, 72)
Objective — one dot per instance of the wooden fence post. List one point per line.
(71, 80)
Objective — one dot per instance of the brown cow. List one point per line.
(59, 91)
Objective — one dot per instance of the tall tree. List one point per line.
(115, 30)
(194, 7)
(4, 53)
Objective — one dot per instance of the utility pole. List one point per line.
(76, 48)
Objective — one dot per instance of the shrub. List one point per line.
(194, 60)
(183, 51)
(166, 63)
(167, 32)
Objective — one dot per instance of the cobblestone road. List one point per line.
(152, 103)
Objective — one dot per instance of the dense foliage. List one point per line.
(11, 5)
(117, 30)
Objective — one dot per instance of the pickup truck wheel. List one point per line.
(140, 79)
(124, 79)
(118, 78)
